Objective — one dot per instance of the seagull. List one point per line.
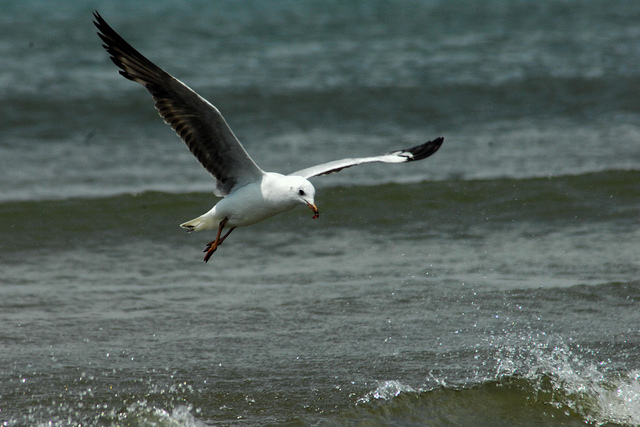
(249, 194)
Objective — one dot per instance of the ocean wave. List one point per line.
(535, 382)
(610, 196)
(525, 380)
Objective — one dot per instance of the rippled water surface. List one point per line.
(496, 283)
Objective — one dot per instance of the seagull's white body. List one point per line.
(249, 194)
(255, 202)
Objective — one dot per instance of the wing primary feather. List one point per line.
(423, 151)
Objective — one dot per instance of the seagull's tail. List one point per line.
(196, 224)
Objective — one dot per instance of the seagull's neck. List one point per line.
(277, 188)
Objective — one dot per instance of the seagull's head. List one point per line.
(304, 192)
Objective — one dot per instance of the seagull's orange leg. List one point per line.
(212, 246)
(225, 236)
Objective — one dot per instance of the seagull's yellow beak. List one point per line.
(314, 209)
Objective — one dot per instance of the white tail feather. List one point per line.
(196, 224)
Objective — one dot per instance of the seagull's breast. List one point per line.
(252, 203)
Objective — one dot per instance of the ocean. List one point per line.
(496, 283)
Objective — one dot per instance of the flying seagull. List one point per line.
(249, 194)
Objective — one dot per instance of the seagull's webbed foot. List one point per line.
(213, 245)
(210, 249)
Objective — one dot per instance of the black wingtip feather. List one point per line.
(425, 150)
(118, 48)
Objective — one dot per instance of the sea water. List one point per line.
(496, 283)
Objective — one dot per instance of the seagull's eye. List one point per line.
(301, 192)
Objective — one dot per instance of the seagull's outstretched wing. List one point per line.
(401, 156)
(193, 118)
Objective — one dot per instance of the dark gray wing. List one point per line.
(401, 156)
(193, 118)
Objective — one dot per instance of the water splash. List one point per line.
(386, 390)
(538, 375)
(566, 377)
